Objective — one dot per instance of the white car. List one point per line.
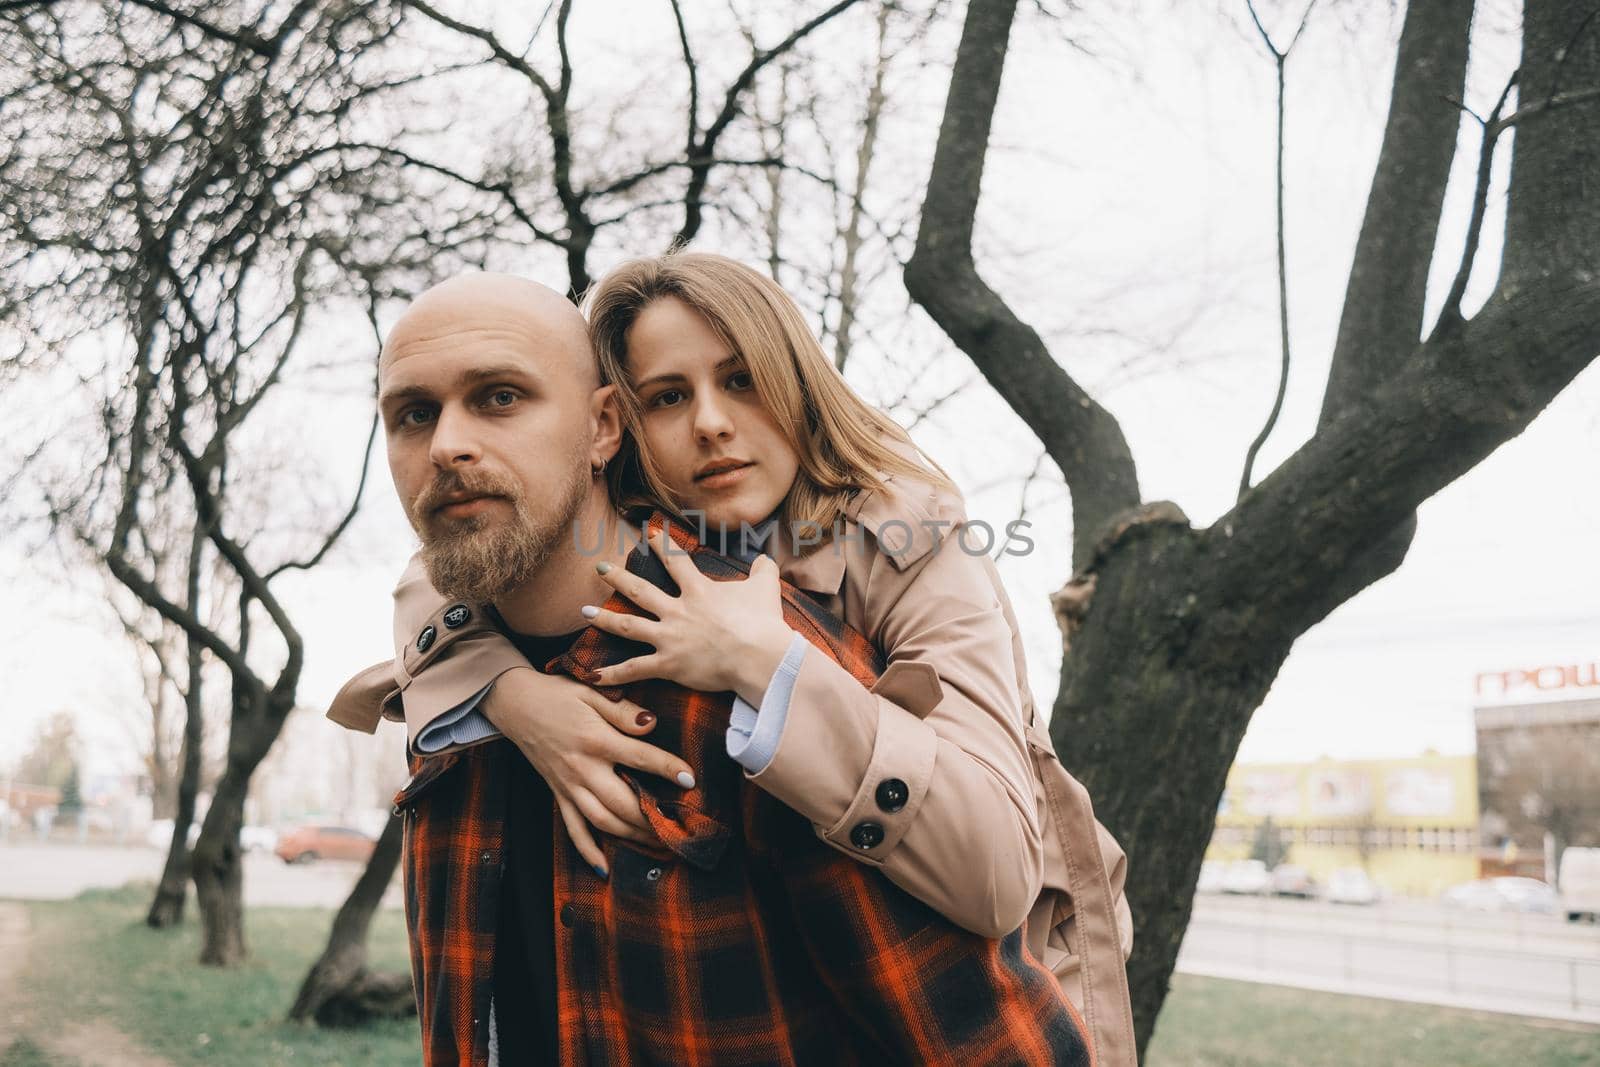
(160, 834)
(1503, 894)
(1247, 876)
(1580, 883)
(1211, 875)
(258, 838)
(1350, 885)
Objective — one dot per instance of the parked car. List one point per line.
(1579, 879)
(1503, 894)
(258, 838)
(160, 834)
(1292, 880)
(317, 841)
(1350, 885)
(1211, 875)
(1247, 876)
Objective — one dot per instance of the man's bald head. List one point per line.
(493, 311)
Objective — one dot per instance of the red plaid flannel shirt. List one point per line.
(742, 939)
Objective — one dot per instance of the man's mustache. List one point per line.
(452, 486)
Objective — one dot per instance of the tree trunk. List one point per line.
(218, 871)
(339, 990)
(1183, 694)
(167, 907)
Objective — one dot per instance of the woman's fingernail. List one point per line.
(589, 611)
(602, 567)
(686, 779)
(599, 870)
(645, 718)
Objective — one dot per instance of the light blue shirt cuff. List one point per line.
(753, 735)
(463, 724)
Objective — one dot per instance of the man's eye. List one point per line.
(414, 416)
(666, 398)
(502, 398)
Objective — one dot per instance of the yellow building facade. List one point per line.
(1412, 824)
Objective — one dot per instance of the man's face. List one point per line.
(487, 414)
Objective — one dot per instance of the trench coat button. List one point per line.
(457, 617)
(866, 835)
(653, 874)
(425, 638)
(892, 794)
(569, 915)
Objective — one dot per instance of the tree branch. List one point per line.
(699, 174)
(1082, 437)
(1384, 299)
(1462, 395)
(349, 515)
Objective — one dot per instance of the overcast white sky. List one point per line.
(1131, 193)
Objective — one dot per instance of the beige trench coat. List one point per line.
(993, 830)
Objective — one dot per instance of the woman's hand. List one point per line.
(712, 636)
(575, 737)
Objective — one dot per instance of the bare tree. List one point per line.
(172, 206)
(1176, 632)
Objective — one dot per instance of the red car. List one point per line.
(318, 841)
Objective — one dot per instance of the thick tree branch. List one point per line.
(1383, 304)
(1082, 437)
(1461, 396)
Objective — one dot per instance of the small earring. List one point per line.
(598, 471)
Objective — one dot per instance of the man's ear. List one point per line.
(605, 420)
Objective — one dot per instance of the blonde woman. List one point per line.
(940, 776)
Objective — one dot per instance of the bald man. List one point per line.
(730, 934)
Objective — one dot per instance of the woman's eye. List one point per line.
(666, 398)
(741, 380)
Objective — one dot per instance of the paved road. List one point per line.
(31, 871)
(1537, 965)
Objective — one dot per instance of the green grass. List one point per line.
(94, 956)
(24, 1053)
(1209, 1022)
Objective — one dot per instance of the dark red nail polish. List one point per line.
(645, 718)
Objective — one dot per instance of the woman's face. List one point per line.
(712, 440)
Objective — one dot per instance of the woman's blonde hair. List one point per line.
(840, 439)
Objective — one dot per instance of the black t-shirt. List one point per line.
(525, 947)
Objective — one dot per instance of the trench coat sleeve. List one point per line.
(445, 653)
(927, 775)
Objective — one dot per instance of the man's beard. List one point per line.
(480, 558)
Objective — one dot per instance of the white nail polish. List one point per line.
(686, 779)
(589, 611)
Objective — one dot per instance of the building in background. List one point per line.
(1538, 740)
(1420, 825)
(1412, 824)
